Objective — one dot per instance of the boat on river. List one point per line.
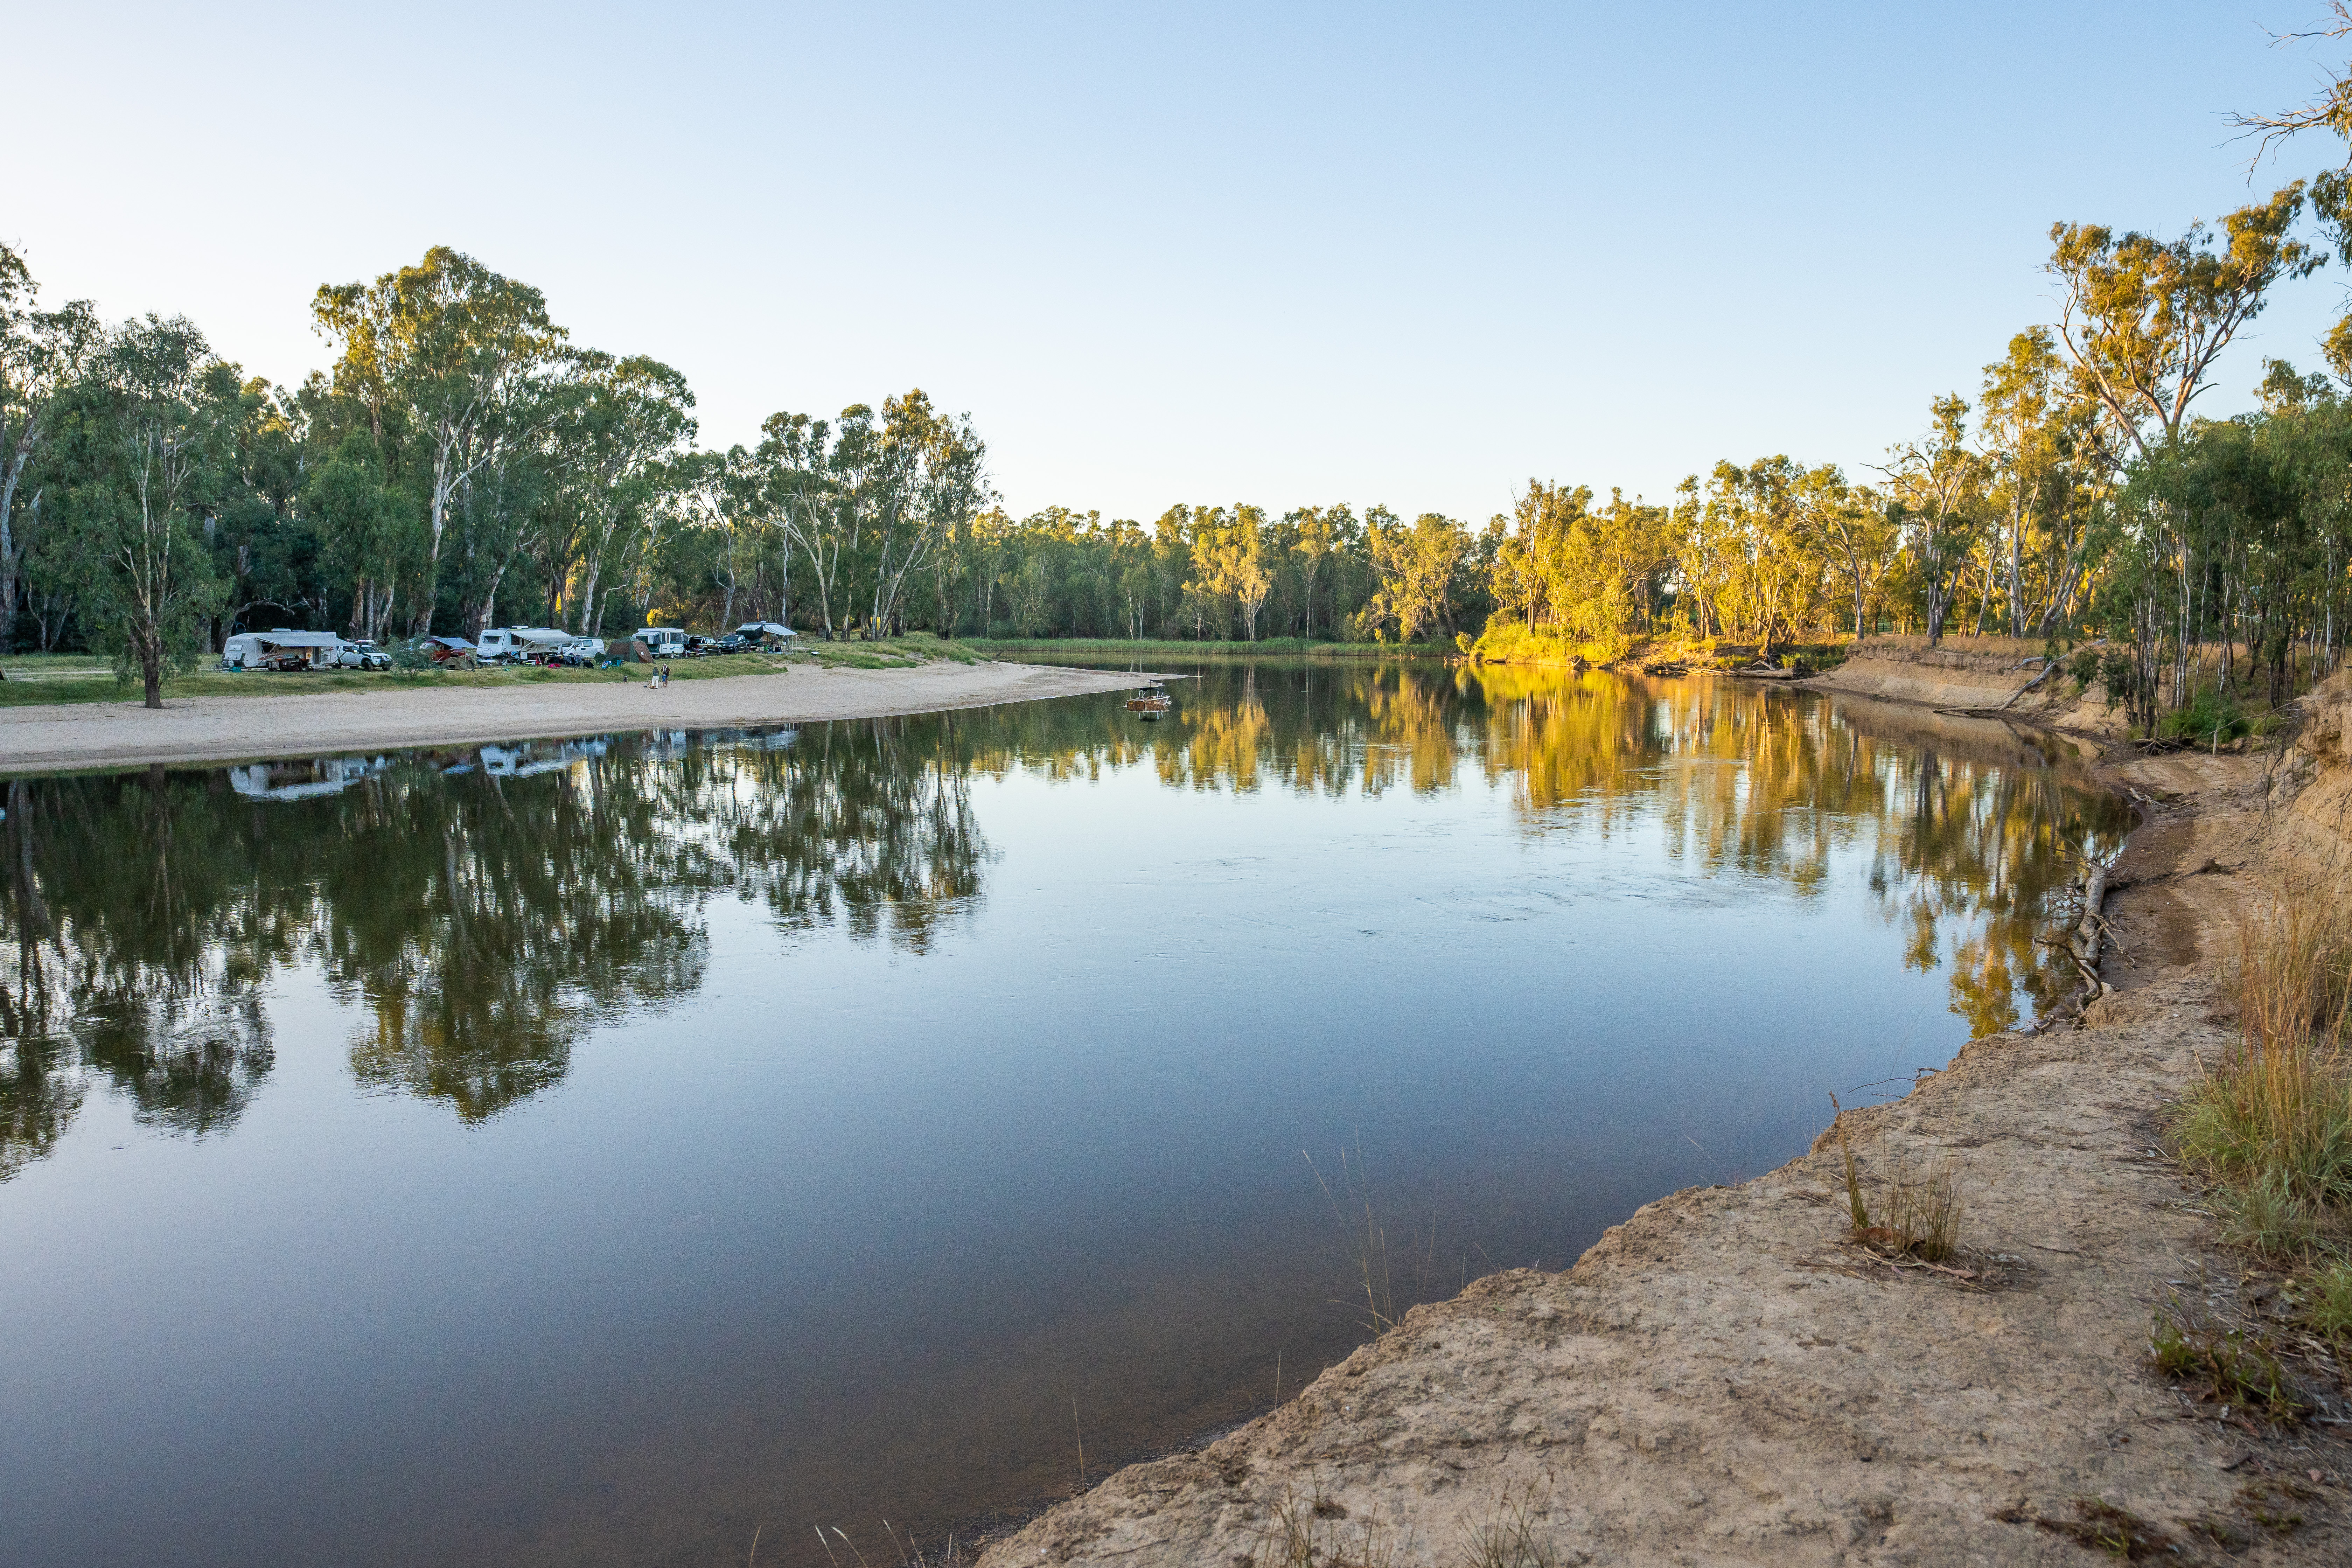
(1151, 702)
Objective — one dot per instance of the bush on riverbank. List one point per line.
(2272, 1122)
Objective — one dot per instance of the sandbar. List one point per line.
(89, 736)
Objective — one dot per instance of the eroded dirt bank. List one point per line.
(1723, 1379)
(228, 729)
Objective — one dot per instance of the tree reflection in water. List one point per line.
(484, 911)
(482, 922)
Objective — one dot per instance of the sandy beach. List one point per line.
(92, 735)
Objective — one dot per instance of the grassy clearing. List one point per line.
(1168, 647)
(51, 679)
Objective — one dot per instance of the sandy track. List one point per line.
(228, 729)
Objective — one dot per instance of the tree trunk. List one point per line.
(151, 666)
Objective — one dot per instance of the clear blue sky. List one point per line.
(1280, 254)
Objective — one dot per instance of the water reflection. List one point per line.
(918, 1078)
(486, 908)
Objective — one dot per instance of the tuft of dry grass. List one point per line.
(1919, 1205)
(2272, 1122)
(1922, 1208)
(1509, 1534)
(1309, 1529)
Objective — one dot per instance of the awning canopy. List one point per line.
(295, 639)
(765, 629)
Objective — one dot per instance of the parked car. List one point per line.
(360, 655)
(701, 646)
(735, 642)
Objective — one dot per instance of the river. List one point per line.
(603, 1152)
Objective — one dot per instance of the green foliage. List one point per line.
(463, 463)
(2327, 1301)
(2210, 716)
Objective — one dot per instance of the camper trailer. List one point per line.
(764, 634)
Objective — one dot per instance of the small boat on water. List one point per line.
(1151, 702)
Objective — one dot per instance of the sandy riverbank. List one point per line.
(93, 735)
(1722, 1379)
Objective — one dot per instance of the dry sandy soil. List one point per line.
(226, 728)
(1725, 1378)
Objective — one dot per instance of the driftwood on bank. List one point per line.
(2082, 940)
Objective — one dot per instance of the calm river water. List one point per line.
(597, 1152)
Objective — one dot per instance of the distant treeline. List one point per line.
(463, 463)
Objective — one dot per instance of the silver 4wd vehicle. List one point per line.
(360, 655)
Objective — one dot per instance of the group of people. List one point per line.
(660, 679)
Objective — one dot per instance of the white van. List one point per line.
(510, 642)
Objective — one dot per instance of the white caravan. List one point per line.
(521, 642)
(252, 650)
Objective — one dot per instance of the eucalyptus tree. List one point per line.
(622, 423)
(370, 532)
(724, 496)
(1857, 523)
(914, 479)
(1319, 534)
(1938, 481)
(1417, 567)
(145, 439)
(44, 356)
(794, 467)
(1776, 564)
(444, 354)
(2143, 320)
(261, 545)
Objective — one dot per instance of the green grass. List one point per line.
(2327, 1301)
(50, 681)
(1177, 648)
